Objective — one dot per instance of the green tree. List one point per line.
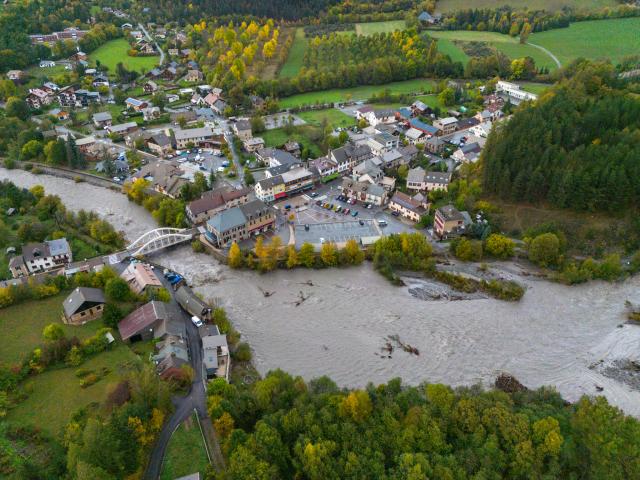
(53, 332)
(117, 290)
(352, 252)
(468, 250)
(329, 254)
(111, 315)
(544, 249)
(447, 97)
(16, 107)
(307, 255)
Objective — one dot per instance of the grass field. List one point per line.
(533, 87)
(334, 117)
(447, 47)
(53, 396)
(510, 46)
(303, 135)
(296, 55)
(115, 51)
(380, 27)
(186, 453)
(612, 39)
(21, 326)
(550, 5)
(356, 93)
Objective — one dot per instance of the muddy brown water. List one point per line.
(573, 338)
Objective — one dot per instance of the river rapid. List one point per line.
(573, 338)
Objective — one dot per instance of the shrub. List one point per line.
(89, 380)
(468, 250)
(242, 353)
(499, 246)
(544, 249)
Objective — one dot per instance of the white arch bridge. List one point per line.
(159, 239)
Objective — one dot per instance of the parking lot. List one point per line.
(337, 232)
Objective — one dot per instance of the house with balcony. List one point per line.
(41, 257)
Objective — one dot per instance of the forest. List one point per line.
(193, 11)
(19, 19)
(577, 147)
(508, 21)
(235, 52)
(282, 427)
(339, 61)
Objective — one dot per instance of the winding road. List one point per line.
(146, 34)
(553, 57)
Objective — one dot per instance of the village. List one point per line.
(379, 182)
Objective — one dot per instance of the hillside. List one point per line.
(577, 147)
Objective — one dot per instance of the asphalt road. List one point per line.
(196, 400)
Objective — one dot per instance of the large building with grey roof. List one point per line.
(240, 223)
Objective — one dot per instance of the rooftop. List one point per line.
(81, 296)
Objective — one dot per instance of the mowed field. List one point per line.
(455, 52)
(115, 51)
(550, 5)
(364, 92)
(21, 327)
(613, 39)
(333, 117)
(296, 55)
(380, 27)
(510, 46)
(54, 395)
(186, 452)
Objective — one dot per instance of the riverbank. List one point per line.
(551, 337)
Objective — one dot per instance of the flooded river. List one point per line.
(574, 338)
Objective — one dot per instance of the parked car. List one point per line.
(382, 223)
(196, 321)
(354, 214)
(346, 211)
(395, 214)
(319, 203)
(314, 194)
(338, 208)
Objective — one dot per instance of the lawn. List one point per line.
(115, 51)
(334, 117)
(380, 27)
(296, 55)
(53, 396)
(303, 135)
(186, 452)
(550, 5)
(613, 39)
(455, 52)
(355, 93)
(534, 87)
(508, 45)
(21, 326)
